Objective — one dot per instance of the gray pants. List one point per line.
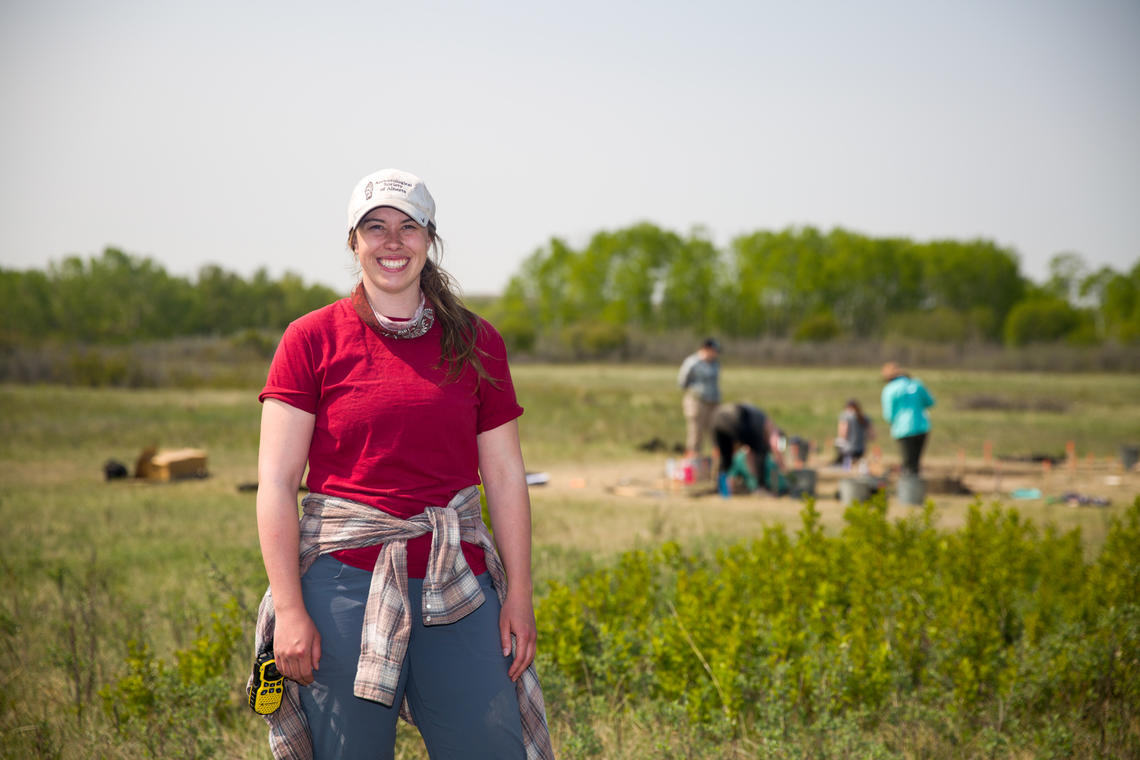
(454, 676)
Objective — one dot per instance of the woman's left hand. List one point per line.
(517, 619)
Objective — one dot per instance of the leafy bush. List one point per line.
(595, 339)
(94, 369)
(817, 329)
(256, 341)
(940, 325)
(1084, 334)
(176, 711)
(519, 333)
(1040, 320)
(994, 619)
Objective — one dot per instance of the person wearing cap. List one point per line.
(390, 598)
(699, 379)
(904, 403)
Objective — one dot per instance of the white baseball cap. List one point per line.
(395, 188)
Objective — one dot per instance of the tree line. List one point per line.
(798, 283)
(804, 284)
(118, 298)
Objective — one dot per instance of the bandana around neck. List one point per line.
(402, 329)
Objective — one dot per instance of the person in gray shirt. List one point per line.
(853, 433)
(699, 378)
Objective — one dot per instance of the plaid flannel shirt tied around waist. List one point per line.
(450, 592)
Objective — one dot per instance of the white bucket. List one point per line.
(853, 489)
(911, 489)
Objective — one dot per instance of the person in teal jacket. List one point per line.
(905, 401)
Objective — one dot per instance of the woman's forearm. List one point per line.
(279, 535)
(510, 520)
(285, 436)
(508, 502)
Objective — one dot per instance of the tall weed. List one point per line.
(179, 710)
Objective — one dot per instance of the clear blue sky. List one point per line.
(232, 132)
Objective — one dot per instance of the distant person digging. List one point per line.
(745, 437)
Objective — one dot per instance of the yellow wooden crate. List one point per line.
(171, 464)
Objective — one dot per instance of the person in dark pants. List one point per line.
(390, 598)
(736, 425)
(905, 401)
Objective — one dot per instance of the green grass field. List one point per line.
(89, 565)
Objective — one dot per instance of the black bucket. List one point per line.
(801, 483)
(1129, 455)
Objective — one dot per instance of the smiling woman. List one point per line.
(391, 225)
(391, 250)
(380, 238)
(391, 599)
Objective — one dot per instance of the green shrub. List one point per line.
(817, 329)
(95, 369)
(519, 333)
(178, 711)
(1040, 320)
(995, 618)
(1084, 334)
(595, 339)
(257, 341)
(940, 325)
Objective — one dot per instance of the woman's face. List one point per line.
(392, 250)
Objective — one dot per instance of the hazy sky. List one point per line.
(232, 132)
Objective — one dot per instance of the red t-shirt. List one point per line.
(390, 430)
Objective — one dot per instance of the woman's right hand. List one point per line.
(296, 645)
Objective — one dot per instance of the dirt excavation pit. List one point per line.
(1079, 483)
